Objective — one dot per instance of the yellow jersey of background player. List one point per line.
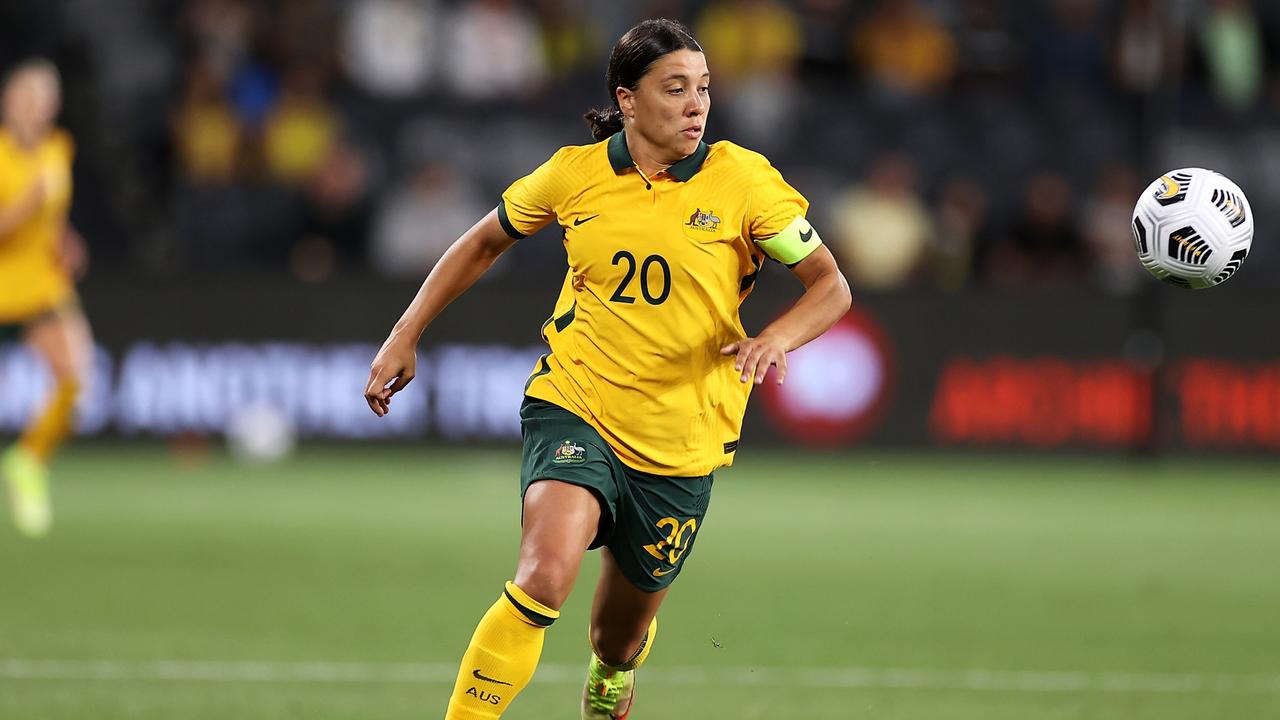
(658, 267)
(31, 270)
(39, 255)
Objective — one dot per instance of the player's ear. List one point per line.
(626, 101)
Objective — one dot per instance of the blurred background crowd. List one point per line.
(944, 144)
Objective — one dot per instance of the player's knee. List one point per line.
(67, 373)
(66, 364)
(616, 645)
(547, 580)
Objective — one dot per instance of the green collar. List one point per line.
(620, 158)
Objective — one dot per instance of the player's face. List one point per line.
(31, 102)
(670, 103)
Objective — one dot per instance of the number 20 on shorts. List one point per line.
(673, 547)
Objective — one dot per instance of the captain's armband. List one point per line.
(793, 244)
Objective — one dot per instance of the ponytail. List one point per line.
(604, 123)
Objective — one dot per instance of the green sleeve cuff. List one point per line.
(512, 232)
(793, 244)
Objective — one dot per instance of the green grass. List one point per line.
(1152, 586)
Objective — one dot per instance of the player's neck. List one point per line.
(649, 158)
(25, 141)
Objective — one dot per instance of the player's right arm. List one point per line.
(462, 264)
(14, 212)
(528, 205)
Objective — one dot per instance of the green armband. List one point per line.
(792, 244)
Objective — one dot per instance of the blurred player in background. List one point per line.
(40, 255)
(642, 395)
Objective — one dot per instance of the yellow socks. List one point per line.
(641, 653)
(53, 425)
(503, 654)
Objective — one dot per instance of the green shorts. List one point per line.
(648, 522)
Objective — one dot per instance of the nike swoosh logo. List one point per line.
(658, 572)
(805, 236)
(478, 676)
(579, 221)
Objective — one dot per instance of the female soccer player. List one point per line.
(39, 254)
(642, 394)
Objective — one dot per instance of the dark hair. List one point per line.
(639, 48)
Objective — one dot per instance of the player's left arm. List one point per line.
(73, 253)
(826, 299)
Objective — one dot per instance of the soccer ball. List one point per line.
(1193, 228)
(261, 434)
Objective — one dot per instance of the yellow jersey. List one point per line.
(658, 268)
(32, 280)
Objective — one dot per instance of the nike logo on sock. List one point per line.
(476, 674)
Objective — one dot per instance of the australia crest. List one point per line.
(569, 453)
(704, 220)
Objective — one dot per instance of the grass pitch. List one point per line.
(344, 583)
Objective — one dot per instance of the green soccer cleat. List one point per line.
(608, 693)
(27, 481)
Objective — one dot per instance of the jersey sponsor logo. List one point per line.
(579, 221)
(704, 220)
(476, 674)
(570, 453)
